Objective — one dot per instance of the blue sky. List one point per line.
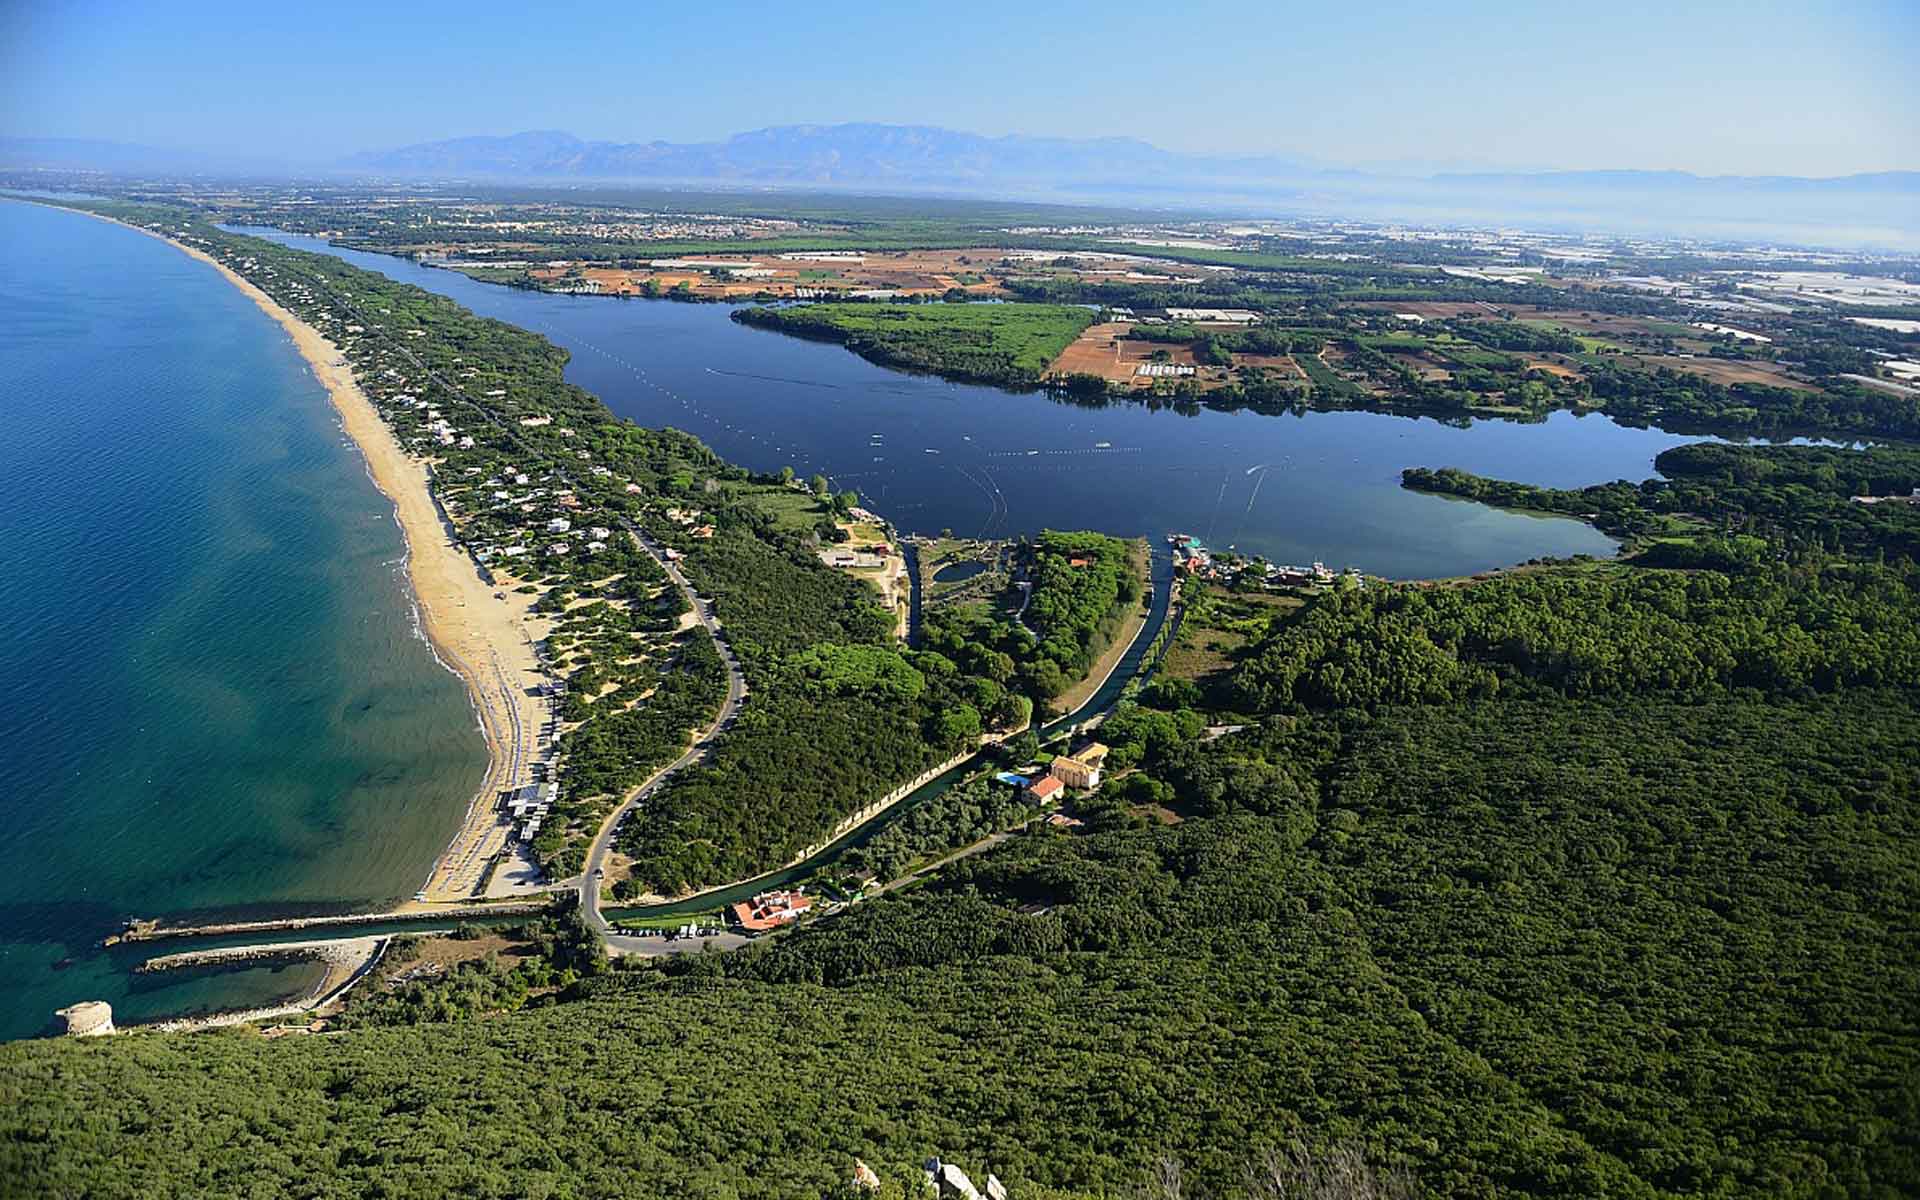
(1707, 86)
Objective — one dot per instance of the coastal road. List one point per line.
(618, 944)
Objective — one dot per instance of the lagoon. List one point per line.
(932, 455)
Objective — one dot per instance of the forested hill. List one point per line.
(1538, 948)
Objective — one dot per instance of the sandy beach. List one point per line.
(483, 635)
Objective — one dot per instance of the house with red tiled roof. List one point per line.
(770, 910)
(1045, 790)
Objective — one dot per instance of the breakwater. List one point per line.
(150, 931)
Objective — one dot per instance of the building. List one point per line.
(1081, 770)
(89, 1018)
(1046, 790)
(770, 910)
(851, 559)
(1226, 316)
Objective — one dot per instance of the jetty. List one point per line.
(138, 930)
(336, 952)
(348, 960)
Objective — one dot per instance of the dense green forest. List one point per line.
(839, 714)
(1680, 400)
(960, 816)
(1733, 504)
(1593, 633)
(1531, 947)
(1007, 344)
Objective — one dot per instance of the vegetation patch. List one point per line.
(1005, 344)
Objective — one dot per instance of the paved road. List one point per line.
(618, 944)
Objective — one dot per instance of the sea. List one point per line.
(218, 702)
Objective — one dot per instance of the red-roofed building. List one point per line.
(1045, 790)
(770, 910)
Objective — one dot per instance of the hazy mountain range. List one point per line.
(1872, 209)
(916, 156)
(928, 156)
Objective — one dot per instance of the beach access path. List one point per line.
(483, 634)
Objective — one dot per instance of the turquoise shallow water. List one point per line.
(217, 701)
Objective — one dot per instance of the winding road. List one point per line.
(589, 885)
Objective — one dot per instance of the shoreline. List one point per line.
(479, 634)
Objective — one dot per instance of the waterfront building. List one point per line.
(770, 910)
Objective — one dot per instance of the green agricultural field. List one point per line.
(1395, 341)
(1466, 354)
(1008, 344)
(1323, 376)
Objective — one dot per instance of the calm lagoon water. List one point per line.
(216, 699)
(933, 455)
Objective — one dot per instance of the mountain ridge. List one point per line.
(872, 151)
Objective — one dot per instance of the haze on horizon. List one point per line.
(1716, 88)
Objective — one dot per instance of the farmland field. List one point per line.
(1106, 351)
(1323, 376)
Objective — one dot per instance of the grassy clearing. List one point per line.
(790, 509)
(1217, 626)
(713, 916)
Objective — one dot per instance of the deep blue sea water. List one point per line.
(215, 698)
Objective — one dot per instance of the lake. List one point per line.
(981, 462)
